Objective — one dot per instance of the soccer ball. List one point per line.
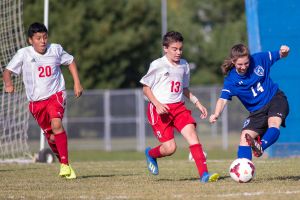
(191, 159)
(242, 170)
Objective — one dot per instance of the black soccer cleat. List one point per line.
(255, 145)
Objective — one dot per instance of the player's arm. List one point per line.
(221, 103)
(160, 108)
(77, 85)
(196, 102)
(8, 84)
(13, 67)
(284, 51)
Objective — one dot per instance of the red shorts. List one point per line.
(163, 125)
(45, 110)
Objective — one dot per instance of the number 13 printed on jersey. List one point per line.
(175, 86)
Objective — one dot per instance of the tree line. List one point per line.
(114, 41)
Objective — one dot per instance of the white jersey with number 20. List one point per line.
(42, 75)
(167, 80)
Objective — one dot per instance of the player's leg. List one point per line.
(163, 131)
(55, 109)
(61, 142)
(272, 133)
(255, 125)
(277, 113)
(186, 125)
(247, 144)
(151, 162)
(38, 111)
(51, 142)
(61, 139)
(164, 149)
(189, 133)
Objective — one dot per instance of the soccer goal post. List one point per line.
(13, 107)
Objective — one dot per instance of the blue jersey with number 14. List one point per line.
(255, 88)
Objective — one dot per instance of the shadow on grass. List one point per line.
(7, 170)
(20, 169)
(189, 179)
(104, 176)
(282, 178)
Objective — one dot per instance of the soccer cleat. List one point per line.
(72, 174)
(151, 162)
(64, 170)
(207, 177)
(255, 145)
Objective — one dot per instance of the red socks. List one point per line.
(155, 153)
(62, 146)
(52, 144)
(196, 151)
(199, 158)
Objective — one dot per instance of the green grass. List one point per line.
(180, 154)
(123, 175)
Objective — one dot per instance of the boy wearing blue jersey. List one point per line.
(248, 78)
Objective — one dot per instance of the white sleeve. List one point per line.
(65, 58)
(186, 76)
(149, 78)
(15, 64)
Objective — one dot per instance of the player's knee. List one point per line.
(170, 148)
(243, 141)
(51, 138)
(56, 126)
(274, 122)
(274, 125)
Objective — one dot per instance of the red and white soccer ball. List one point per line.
(242, 170)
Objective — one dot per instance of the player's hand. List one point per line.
(162, 108)
(9, 89)
(202, 109)
(213, 118)
(284, 51)
(78, 90)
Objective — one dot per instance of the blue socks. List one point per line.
(244, 152)
(270, 137)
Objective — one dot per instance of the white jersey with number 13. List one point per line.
(167, 80)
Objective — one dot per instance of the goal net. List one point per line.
(14, 114)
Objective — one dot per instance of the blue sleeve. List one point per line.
(226, 92)
(275, 56)
(267, 58)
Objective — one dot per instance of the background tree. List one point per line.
(114, 41)
(210, 28)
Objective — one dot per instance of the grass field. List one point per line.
(123, 175)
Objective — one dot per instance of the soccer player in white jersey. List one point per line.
(164, 85)
(248, 78)
(45, 88)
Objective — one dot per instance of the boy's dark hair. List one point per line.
(170, 37)
(36, 27)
